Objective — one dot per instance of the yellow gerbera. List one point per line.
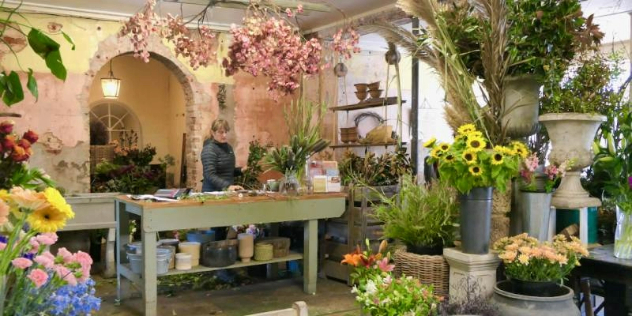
(469, 156)
(430, 143)
(498, 158)
(449, 158)
(476, 143)
(4, 195)
(476, 171)
(47, 220)
(444, 146)
(466, 129)
(58, 202)
(436, 153)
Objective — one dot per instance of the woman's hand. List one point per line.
(233, 188)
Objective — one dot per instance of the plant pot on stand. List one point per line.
(571, 137)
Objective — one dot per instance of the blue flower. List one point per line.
(73, 300)
(3, 239)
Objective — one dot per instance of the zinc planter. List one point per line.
(511, 304)
(535, 209)
(572, 136)
(475, 220)
(521, 106)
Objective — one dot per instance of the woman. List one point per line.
(218, 160)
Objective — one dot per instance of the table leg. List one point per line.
(583, 225)
(149, 277)
(552, 223)
(122, 233)
(110, 265)
(310, 256)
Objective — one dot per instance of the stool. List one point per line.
(588, 288)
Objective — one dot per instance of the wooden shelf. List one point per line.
(292, 256)
(366, 104)
(365, 145)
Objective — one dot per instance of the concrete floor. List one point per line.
(333, 298)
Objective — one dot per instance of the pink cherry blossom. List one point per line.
(38, 276)
(21, 263)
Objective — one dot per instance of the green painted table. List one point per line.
(166, 216)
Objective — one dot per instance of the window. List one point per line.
(108, 120)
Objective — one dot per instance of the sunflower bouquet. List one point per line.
(471, 162)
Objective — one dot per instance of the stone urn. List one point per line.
(512, 304)
(521, 106)
(572, 136)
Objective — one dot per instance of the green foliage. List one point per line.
(546, 34)
(419, 215)
(375, 171)
(587, 89)
(44, 46)
(249, 179)
(468, 163)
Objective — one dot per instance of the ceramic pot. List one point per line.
(361, 87)
(434, 250)
(571, 136)
(535, 209)
(512, 304)
(521, 106)
(375, 93)
(246, 246)
(361, 95)
(475, 220)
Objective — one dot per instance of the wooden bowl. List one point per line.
(375, 93)
(361, 87)
(361, 95)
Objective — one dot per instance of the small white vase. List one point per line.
(246, 246)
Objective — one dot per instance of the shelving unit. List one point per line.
(367, 104)
(354, 226)
(364, 145)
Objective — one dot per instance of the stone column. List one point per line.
(471, 276)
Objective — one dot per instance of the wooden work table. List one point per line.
(166, 216)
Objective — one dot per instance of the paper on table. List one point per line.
(150, 197)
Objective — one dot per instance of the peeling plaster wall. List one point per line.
(63, 107)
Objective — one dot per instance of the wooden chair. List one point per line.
(585, 288)
(298, 309)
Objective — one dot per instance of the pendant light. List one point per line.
(110, 85)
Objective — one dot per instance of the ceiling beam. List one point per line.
(241, 4)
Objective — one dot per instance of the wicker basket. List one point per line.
(281, 245)
(427, 269)
(100, 153)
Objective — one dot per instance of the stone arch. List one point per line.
(196, 98)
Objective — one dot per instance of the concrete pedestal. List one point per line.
(471, 276)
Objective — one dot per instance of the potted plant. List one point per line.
(613, 158)
(536, 186)
(574, 105)
(380, 293)
(534, 270)
(474, 170)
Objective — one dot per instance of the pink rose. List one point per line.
(6, 127)
(65, 274)
(21, 263)
(46, 238)
(83, 259)
(38, 276)
(65, 254)
(30, 136)
(46, 261)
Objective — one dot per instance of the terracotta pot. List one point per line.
(375, 93)
(374, 85)
(361, 95)
(571, 136)
(361, 87)
(246, 246)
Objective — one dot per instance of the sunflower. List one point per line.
(444, 146)
(56, 201)
(504, 150)
(436, 153)
(476, 171)
(476, 143)
(520, 149)
(497, 158)
(469, 156)
(474, 134)
(47, 220)
(430, 143)
(466, 129)
(449, 158)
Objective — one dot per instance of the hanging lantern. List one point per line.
(110, 85)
